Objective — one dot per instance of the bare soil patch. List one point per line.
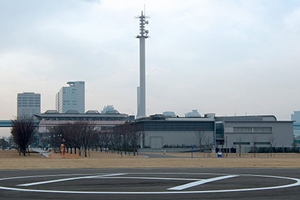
(10, 159)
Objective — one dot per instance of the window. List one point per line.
(242, 129)
(241, 143)
(252, 129)
(262, 129)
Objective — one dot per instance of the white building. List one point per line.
(71, 97)
(296, 118)
(194, 113)
(109, 109)
(29, 104)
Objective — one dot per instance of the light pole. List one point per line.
(121, 144)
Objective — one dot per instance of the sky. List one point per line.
(228, 57)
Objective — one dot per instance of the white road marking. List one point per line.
(69, 179)
(192, 184)
(155, 178)
(295, 184)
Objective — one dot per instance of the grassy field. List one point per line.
(10, 159)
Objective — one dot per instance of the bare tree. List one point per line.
(201, 138)
(135, 137)
(254, 140)
(104, 140)
(77, 136)
(208, 147)
(272, 143)
(128, 137)
(63, 131)
(239, 142)
(89, 132)
(294, 144)
(23, 130)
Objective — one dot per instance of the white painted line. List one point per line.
(154, 178)
(192, 184)
(295, 184)
(68, 179)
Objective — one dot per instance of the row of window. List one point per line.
(86, 119)
(29, 105)
(252, 129)
(248, 143)
(178, 126)
(26, 103)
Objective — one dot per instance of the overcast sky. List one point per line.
(225, 57)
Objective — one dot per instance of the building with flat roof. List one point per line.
(296, 118)
(208, 133)
(231, 134)
(71, 97)
(247, 133)
(28, 104)
(102, 121)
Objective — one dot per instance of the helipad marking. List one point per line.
(295, 184)
(155, 178)
(192, 184)
(69, 179)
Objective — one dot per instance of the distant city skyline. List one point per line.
(224, 57)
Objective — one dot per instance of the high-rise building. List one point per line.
(71, 97)
(296, 116)
(29, 103)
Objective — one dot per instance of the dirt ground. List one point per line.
(10, 159)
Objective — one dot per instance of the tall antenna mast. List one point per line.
(141, 92)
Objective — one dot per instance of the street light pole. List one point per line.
(121, 144)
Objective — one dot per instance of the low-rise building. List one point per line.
(231, 134)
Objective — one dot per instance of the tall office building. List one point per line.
(29, 103)
(296, 116)
(71, 98)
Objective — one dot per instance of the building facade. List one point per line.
(52, 118)
(296, 118)
(209, 133)
(231, 134)
(251, 133)
(101, 121)
(172, 132)
(71, 97)
(29, 104)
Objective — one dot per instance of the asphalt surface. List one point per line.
(151, 184)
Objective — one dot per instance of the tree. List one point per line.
(135, 137)
(128, 136)
(3, 143)
(294, 144)
(201, 137)
(254, 140)
(78, 135)
(104, 138)
(23, 130)
(272, 144)
(239, 142)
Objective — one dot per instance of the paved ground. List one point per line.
(150, 184)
